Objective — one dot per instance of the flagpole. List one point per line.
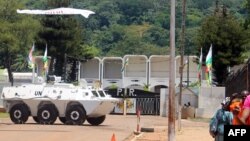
(201, 73)
(211, 70)
(200, 69)
(45, 76)
(32, 62)
(33, 74)
(45, 63)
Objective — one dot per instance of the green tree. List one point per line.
(247, 26)
(63, 35)
(201, 4)
(156, 35)
(226, 35)
(16, 35)
(138, 39)
(105, 29)
(133, 12)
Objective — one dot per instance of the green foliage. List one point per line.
(146, 87)
(156, 35)
(227, 36)
(201, 4)
(16, 34)
(113, 86)
(194, 17)
(20, 63)
(122, 27)
(105, 29)
(63, 36)
(134, 11)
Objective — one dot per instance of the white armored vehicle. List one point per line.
(45, 102)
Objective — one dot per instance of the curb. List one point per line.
(137, 136)
(146, 129)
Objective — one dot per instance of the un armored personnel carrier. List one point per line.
(45, 102)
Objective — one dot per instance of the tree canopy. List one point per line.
(124, 27)
(227, 37)
(16, 35)
(63, 35)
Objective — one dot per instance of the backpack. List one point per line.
(218, 118)
(213, 126)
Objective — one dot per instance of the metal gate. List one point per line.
(147, 102)
(149, 106)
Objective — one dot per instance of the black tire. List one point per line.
(47, 114)
(62, 119)
(75, 115)
(96, 120)
(36, 119)
(19, 113)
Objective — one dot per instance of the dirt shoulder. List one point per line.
(121, 126)
(194, 130)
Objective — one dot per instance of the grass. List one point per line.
(4, 115)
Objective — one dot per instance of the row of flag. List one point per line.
(31, 60)
(208, 72)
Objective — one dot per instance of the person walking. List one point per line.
(235, 107)
(245, 117)
(221, 117)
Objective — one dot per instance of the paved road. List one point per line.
(120, 125)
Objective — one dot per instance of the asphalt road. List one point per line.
(122, 126)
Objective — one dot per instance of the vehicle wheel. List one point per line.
(75, 115)
(47, 114)
(62, 119)
(36, 119)
(19, 113)
(96, 120)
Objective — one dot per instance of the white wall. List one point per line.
(164, 100)
(135, 73)
(91, 71)
(111, 72)
(192, 69)
(210, 99)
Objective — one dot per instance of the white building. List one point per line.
(190, 70)
(135, 73)
(111, 72)
(158, 72)
(91, 71)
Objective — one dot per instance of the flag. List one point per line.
(30, 57)
(124, 65)
(45, 58)
(209, 66)
(200, 68)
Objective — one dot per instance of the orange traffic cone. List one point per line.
(113, 137)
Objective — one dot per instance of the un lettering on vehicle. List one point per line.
(38, 93)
